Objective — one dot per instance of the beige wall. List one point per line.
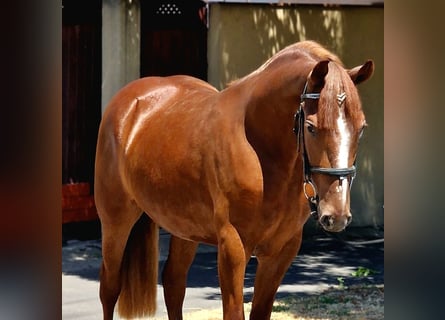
(120, 45)
(242, 37)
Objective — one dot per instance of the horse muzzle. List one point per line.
(335, 222)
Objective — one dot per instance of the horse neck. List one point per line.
(270, 106)
(269, 118)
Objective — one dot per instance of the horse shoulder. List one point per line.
(247, 168)
(238, 174)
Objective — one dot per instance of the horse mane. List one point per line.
(308, 48)
(337, 80)
(317, 51)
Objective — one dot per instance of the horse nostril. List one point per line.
(326, 221)
(334, 223)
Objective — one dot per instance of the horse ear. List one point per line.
(318, 73)
(362, 73)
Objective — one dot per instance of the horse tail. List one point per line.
(139, 271)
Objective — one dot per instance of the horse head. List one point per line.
(329, 124)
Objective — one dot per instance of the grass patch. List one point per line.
(351, 303)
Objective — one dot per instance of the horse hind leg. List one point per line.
(129, 243)
(174, 275)
(114, 239)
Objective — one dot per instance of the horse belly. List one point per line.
(177, 204)
(190, 221)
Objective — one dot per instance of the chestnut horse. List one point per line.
(240, 169)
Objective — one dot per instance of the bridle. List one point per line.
(341, 173)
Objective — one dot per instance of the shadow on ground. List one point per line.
(323, 260)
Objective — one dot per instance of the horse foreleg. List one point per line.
(174, 275)
(231, 268)
(270, 271)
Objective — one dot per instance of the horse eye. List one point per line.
(311, 128)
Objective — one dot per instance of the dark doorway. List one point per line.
(81, 105)
(81, 87)
(174, 38)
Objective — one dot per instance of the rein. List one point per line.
(341, 173)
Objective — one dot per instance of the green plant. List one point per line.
(341, 282)
(363, 272)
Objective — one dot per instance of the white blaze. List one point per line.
(343, 151)
(345, 141)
